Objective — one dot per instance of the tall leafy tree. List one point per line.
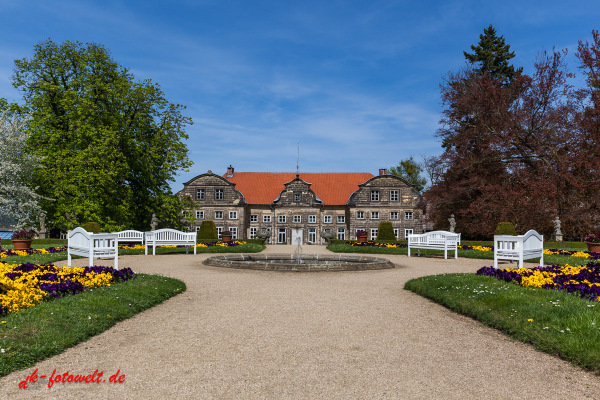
(491, 55)
(411, 171)
(111, 144)
(18, 200)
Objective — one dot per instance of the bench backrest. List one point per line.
(529, 241)
(80, 238)
(130, 234)
(532, 240)
(434, 237)
(168, 234)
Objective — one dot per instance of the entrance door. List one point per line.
(297, 235)
(281, 236)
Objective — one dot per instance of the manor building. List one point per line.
(305, 207)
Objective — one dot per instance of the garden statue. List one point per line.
(153, 222)
(557, 236)
(452, 223)
(264, 233)
(327, 234)
(43, 233)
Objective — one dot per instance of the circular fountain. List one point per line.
(298, 262)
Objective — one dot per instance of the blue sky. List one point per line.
(356, 83)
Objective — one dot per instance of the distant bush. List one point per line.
(208, 230)
(386, 231)
(505, 228)
(93, 227)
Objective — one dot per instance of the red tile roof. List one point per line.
(333, 188)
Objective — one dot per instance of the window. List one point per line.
(374, 233)
(197, 229)
(312, 219)
(341, 219)
(341, 234)
(375, 215)
(253, 218)
(394, 215)
(253, 231)
(397, 233)
(408, 215)
(374, 195)
(218, 214)
(394, 195)
(232, 214)
(218, 194)
(327, 219)
(312, 235)
(407, 232)
(200, 194)
(233, 232)
(297, 218)
(282, 219)
(297, 197)
(281, 236)
(360, 215)
(199, 214)
(219, 230)
(266, 218)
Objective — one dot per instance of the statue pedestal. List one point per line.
(557, 238)
(43, 235)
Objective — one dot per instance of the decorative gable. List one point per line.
(297, 193)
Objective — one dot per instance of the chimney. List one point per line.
(383, 171)
(230, 171)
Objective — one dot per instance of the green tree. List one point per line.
(208, 230)
(18, 200)
(410, 171)
(386, 231)
(111, 144)
(492, 55)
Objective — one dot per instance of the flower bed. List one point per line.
(25, 285)
(583, 280)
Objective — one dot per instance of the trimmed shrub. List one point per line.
(92, 227)
(505, 228)
(208, 230)
(386, 231)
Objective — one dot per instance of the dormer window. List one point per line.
(297, 197)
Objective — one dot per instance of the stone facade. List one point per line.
(297, 212)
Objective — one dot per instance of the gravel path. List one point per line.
(243, 334)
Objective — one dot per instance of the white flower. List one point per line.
(2, 350)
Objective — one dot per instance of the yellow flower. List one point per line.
(529, 320)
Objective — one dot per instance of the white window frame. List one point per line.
(374, 233)
(394, 215)
(281, 219)
(360, 215)
(217, 213)
(219, 230)
(397, 233)
(394, 195)
(253, 232)
(341, 233)
(312, 235)
(312, 219)
(200, 194)
(234, 232)
(297, 198)
(408, 215)
(266, 218)
(197, 229)
(199, 214)
(219, 194)
(281, 233)
(407, 232)
(326, 219)
(374, 195)
(232, 214)
(374, 214)
(254, 218)
(297, 219)
(341, 219)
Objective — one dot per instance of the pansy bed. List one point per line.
(26, 285)
(582, 280)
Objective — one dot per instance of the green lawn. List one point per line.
(51, 327)
(552, 321)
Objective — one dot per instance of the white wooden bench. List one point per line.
(168, 237)
(436, 240)
(92, 245)
(519, 248)
(130, 236)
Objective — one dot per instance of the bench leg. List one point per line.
(117, 261)
(92, 259)
(68, 258)
(542, 259)
(146, 249)
(409, 251)
(194, 248)
(445, 253)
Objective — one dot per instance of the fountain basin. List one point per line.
(289, 262)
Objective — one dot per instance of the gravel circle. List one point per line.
(247, 334)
